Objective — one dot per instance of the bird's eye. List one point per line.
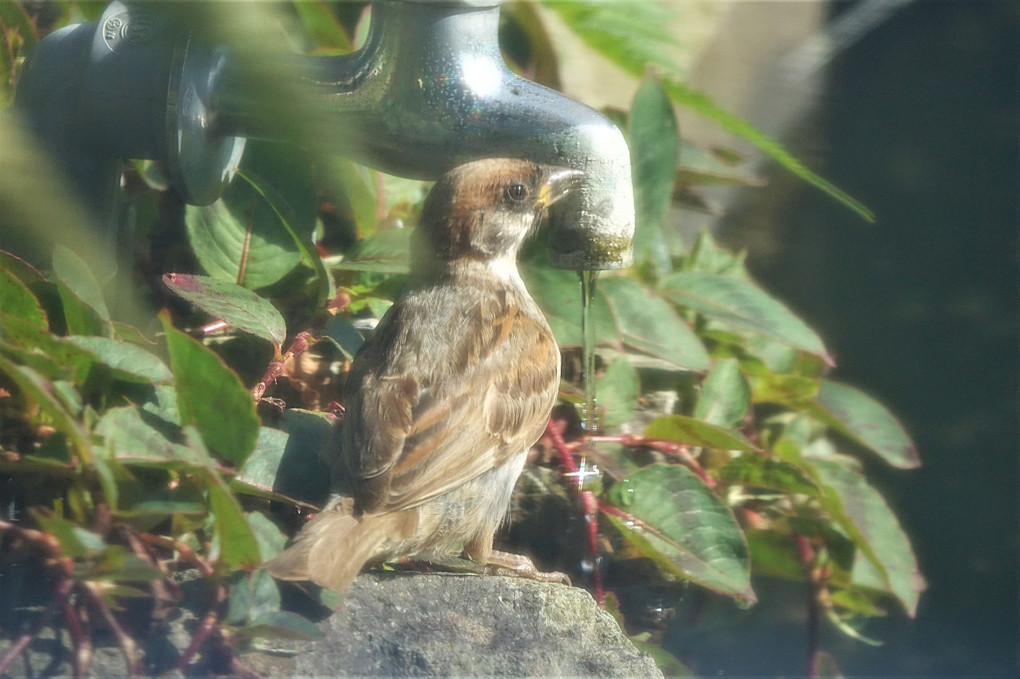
(517, 191)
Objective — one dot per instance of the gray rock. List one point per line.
(415, 625)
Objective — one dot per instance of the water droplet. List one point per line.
(744, 603)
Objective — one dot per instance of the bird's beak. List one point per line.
(559, 181)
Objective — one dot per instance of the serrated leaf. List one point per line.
(725, 397)
(129, 362)
(237, 306)
(679, 523)
(654, 150)
(741, 305)
(694, 432)
(211, 397)
(874, 529)
(17, 300)
(649, 324)
(866, 421)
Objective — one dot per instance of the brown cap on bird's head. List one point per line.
(485, 209)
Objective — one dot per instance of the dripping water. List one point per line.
(589, 407)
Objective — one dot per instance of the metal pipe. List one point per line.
(428, 91)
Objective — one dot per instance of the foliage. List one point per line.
(137, 449)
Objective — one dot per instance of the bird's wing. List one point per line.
(413, 434)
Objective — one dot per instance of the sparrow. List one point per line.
(448, 394)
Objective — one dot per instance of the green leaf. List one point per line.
(132, 440)
(865, 421)
(237, 306)
(236, 545)
(296, 227)
(385, 252)
(864, 514)
(725, 397)
(270, 538)
(654, 149)
(679, 523)
(352, 193)
(648, 323)
(322, 25)
(764, 471)
(342, 332)
(17, 300)
(773, 554)
(22, 270)
(558, 293)
(129, 362)
(74, 541)
(46, 395)
(84, 306)
(632, 35)
(706, 256)
(702, 104)
(243, 232)
(211, 396)
(694, 432)
(286, 464)
(789, 390)
(742, 306)
(618, 391)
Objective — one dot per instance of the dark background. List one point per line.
(919, 121)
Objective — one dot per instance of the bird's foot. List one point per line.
(518, 565)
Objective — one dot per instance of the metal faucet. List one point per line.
(428, 91)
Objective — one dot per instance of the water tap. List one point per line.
(429, 90)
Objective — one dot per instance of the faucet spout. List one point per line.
(430, 90)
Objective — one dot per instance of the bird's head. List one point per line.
(484, 210)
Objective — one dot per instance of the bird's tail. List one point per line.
(334, 546)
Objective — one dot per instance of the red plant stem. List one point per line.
(82, 641)
(275, 369)
(590, 506)
(807, 558)
(206, 628)
(169, 543)
(127, 644)
(669, 447)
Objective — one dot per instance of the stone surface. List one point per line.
(416, 625)
(392, 624)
